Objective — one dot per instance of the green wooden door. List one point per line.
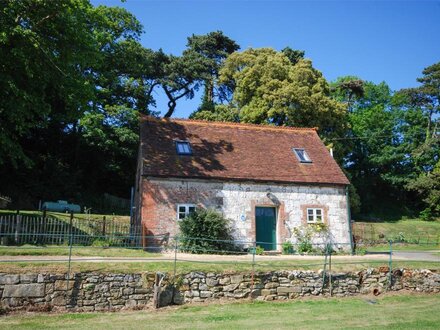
(266, 228)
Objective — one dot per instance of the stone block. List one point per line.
(203, 287)
(230, 287)
(130, 303)
(58, 300)
(28, 278)
(62, 285)
(128, 291)
(291, 289)
(266, 292)
(236, 279)
(205, 294)
(241, 293)
(211, 281)
(142, 290)
(9, 279)
(256, 293)
(225, 281)
(24, 290)
(271, 285)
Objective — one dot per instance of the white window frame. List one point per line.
(184, 153)
(315, 215)
(305, 154)
(186, 213)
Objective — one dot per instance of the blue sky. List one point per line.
(378, 41)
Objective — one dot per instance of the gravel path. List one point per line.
(397, 255)
(417, 255)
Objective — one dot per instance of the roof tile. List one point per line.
(235, 151)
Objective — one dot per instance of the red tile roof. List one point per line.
(233, 151)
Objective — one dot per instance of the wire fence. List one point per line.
(177, 254)
(26, 240)
(18, 229)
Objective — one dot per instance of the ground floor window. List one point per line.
(184, 210)
(314, 215)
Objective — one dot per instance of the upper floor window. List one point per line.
(314, 215)
(183, 210)
(183, 148)
(302, 155)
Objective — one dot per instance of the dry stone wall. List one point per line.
(106, 292)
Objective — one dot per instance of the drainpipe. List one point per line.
(349, 219)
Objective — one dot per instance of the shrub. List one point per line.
(259, 250)
(287, 248)
(101, 243)
(305, 246)
(426, 215)
(361, 251)
(206, 231)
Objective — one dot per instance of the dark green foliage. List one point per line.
(287, 248)
(220, 112)
(293, 55)
(206, 231)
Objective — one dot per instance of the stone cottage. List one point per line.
(268, 180)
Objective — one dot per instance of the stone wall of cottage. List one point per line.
(106, 292)
(237, 201)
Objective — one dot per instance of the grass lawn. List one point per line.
(404, 311)
(79, 251)
(402, 247)
(425, 231)
(183, 267)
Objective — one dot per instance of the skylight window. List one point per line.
(183, 148)
(302, 155)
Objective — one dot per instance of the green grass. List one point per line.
(402, 247)
(80, 251)
(404, 311)
(65, 216)
(183, 267)
(413, 230)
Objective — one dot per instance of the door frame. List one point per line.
(276, 222)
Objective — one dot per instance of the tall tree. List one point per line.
(270, 89)
(293, 55)
(66, 92)
(211, 49)
(45, 49)
(422, 109)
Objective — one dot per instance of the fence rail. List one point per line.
(25, 229)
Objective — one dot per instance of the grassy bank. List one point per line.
(183, 267)
(404, 311)
(78, 251)
(406, 230)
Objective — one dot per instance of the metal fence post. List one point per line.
(390, 264)
(70, 251)
(17, 227)
(103, 226)
(330, 273)
(254, 250)
(176, 240)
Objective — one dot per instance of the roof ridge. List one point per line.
(229, 124)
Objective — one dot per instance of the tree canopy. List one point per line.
(74, 79)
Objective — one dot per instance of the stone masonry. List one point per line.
(237, 202)
(107, 292)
